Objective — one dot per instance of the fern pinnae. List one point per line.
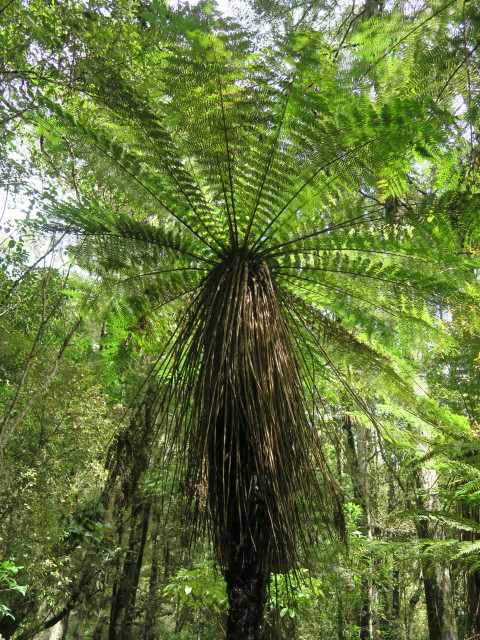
(178, 217)
(141, 312)
(135, 110)
(231, 215)
(188, 199)
(373, 303)
(161, 271)
(350, 273)
(405, 37)
(265, 172)
(155, 243)
(357, 220)
(175, 173)
(101, 231)
(409, 286)
(349, 154)
(124, 161)
(467, 549)
(342, 249)
(463, 62)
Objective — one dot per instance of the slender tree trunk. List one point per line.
(472, 588)
(340, 618)
(98, 630)
(412, 603)
(152, 600)
(358, 447)
(438, 596)
(126, 584)
(393, 621)
(127, 459)
(436, 579)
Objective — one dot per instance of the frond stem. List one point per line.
(156, 244)
(231, 217)
(339, 290)
(348, 223)
(154, 273)
(405, 37)
(350, 273)
(267, 169)
(182, 190)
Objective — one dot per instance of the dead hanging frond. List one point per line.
(252, 449)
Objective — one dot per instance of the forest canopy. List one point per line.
(239, 328)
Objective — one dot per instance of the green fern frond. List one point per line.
(469, 549)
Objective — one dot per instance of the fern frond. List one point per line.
(468, 549)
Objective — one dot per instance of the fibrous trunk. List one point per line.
(251, 446)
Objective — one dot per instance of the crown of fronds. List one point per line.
(257, 187)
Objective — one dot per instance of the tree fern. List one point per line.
(249, 185)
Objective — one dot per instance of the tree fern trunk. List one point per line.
(246, 589)
(251, 446)
(247, 531)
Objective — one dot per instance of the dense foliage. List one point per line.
(239, 374)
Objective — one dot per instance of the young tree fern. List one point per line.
(246, 183)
